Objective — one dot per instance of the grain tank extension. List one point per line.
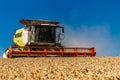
(41, 38)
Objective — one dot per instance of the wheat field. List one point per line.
(60, 68)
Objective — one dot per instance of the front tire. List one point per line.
(6, 54)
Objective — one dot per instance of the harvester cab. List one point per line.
(39, 32)
(42, 38)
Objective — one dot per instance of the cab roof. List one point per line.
(38, 22)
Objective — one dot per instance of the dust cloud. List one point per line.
(97, 36)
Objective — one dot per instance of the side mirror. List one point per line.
(62, 30)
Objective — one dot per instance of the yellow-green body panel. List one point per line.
(17, 38)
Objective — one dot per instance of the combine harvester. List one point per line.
(42, 38)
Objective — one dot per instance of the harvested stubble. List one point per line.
(60, 68)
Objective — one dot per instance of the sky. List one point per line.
(88, 23)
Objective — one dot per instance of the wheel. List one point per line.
(6, 53)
